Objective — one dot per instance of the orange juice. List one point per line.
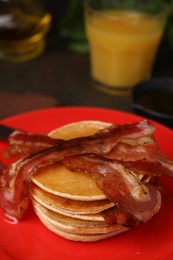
(123, 45)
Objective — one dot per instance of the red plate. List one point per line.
(29, 239)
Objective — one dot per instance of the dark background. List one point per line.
(65, 75)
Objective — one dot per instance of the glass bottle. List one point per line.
(23, 27)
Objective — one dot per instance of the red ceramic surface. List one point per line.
(29, 239)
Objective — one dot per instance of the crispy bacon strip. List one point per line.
(19, 136)
(147, 168)
(142, 159)
(121, 186)
(24, 143)
(14, 182)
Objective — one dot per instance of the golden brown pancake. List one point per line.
(60, 181)
(81, 238)
(75, 229)
(69, 203)
(78, 129)
(88, 210)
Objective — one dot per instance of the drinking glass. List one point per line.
(124, 36)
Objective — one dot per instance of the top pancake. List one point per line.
(60, 181)
(78, 129)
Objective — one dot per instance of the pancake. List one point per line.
(81, 238)
(78, 129)
(87, 217)
(74, 227)
(69, 203)
(60, 181)
(88, 210)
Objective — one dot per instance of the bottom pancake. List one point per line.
(82, 238)
(74, 229)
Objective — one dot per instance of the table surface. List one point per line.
(65, 75)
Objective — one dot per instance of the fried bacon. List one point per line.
(19, 136)
(143, 159)
(121, 186)
(24, 143)
(132, 197)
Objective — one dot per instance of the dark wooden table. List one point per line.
(65, 75)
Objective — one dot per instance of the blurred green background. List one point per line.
(71, 26)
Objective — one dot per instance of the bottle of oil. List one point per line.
(23, 27)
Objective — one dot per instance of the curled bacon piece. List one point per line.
(15, 180)
(142, 159)
(121, 186)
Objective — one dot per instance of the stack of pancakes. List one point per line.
(69, 203)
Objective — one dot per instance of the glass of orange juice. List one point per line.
(124, 36)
